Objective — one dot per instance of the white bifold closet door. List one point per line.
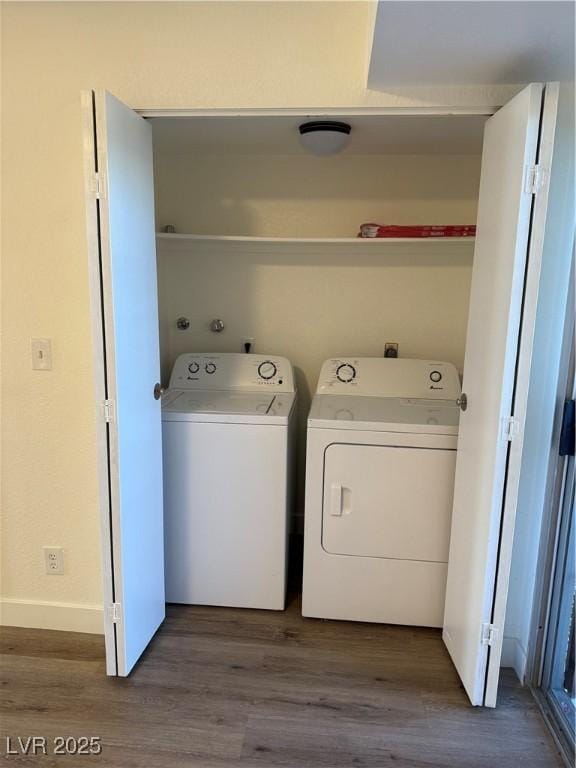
(120, 186)
(512, 209)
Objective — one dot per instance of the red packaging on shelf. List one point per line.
(417, 230)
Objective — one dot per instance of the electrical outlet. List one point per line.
(391, 349)
(41, 354)
(54, 560)
(248, 341)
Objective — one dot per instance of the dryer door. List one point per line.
(388, 501)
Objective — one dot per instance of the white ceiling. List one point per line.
(471, 42)
(371, 135)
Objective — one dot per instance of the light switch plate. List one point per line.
(42, 354)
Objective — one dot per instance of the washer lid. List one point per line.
(226, 407)
(385, 414)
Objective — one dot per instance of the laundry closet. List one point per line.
(265, 239)
(218, 232)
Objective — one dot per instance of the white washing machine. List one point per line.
(381, 453)
(227, 423)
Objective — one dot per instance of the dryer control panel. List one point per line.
(389, 377)
(232, 370)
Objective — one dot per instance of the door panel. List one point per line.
(128, 301)
(552, 221)
(388, 501)
(500, 256)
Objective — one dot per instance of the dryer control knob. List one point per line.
(345, 373)
(435, 376)
(193, 368)
(210, 367)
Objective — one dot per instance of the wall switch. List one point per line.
(248, 344)
(42, 354)
(54, 560)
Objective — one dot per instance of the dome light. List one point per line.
(324, 137)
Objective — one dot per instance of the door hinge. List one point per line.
(97, 186)
(510, 428)
(108, 410)
(534, 179)
(115, 612)
(489, 634)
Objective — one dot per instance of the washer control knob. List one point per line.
(345, 373)
(267, 370)
(435, 376)
(193, 368)
(210, 367)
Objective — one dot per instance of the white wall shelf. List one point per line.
(171, 242)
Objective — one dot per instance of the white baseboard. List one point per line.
(37, 614)
(514, 655)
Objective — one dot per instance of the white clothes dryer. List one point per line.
(381, 453)
(227, 422)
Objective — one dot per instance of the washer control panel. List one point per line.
(389, 377)
(231, 370)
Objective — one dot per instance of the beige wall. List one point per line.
(148, 54)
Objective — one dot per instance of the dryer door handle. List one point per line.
(336, 499)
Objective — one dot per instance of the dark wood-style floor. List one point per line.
(224, 687)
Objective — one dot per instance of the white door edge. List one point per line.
(97, 321)
(115, 533)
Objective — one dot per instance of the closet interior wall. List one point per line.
(304, 302)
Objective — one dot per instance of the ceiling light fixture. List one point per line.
(324, 137)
